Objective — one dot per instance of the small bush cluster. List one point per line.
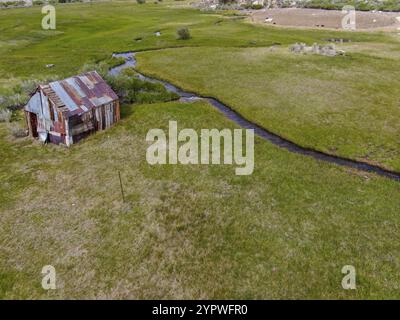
(183, 34)
(252, 6)
(141, 1)
(257, 6)
(133, 90)
(68, 1)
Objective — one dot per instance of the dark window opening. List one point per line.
(51, 109)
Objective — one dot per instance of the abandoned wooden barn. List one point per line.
(64, 112)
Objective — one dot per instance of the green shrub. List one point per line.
(141, 1)
(257, 6)
(133, 90)
(183, 33)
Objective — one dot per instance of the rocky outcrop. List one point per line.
(324, 50)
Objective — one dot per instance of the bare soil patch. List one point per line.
(318, 18)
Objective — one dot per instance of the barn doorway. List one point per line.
(33, 124)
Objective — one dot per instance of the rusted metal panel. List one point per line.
(55, 138)
(34, 104)
(88, 90)
(63, 95)
(59, 127)
(82, 127)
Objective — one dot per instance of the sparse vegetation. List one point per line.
(5, 115)
(14, 101)
(19, 94)
(17, 130)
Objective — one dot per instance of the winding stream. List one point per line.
(130, 62)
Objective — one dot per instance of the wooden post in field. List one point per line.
(122, 189)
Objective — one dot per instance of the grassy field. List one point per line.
(354, 113)
(192, 231)
(92, 32)
(347, 106)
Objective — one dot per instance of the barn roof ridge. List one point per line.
(80, 93)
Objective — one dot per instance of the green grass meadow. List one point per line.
(197, 231)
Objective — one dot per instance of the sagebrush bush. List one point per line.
(28, 86)
(183, 33)
(17, 131)
(20, 93)
(257, 6)
(14, 102)
(5, 115)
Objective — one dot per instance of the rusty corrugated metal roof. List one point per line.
(80, 93)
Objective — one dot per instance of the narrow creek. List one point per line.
(130, 62)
